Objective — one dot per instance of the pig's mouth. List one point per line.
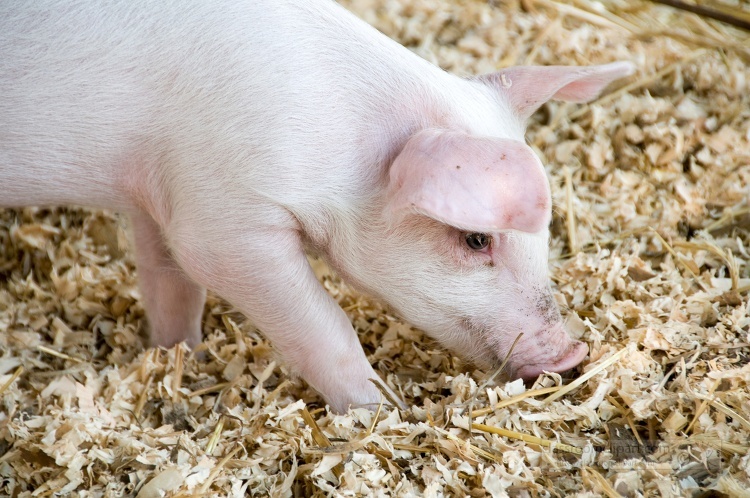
(570, 358)
(533, 355)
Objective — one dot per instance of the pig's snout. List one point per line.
(550, 352)
(574, 355)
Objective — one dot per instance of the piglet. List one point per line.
(237, 135)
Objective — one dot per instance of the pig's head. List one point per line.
(478, 210)
(461, 246)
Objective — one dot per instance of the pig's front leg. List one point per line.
(265, 274)
(173, 302)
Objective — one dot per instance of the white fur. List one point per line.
(238, 133)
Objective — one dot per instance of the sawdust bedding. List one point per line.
(649, 259)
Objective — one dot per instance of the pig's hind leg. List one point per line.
(173, 302)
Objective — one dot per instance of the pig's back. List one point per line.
(256, 98)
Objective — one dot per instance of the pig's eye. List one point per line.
(477, 241)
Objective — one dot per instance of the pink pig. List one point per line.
(239, 134)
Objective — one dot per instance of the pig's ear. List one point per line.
(528, 87)
(476, 184)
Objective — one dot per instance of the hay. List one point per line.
(649, 258)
